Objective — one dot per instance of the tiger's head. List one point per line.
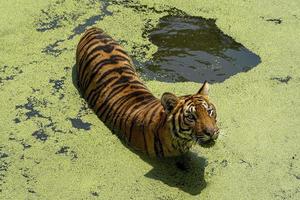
(191, 117)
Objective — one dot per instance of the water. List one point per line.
(195, 49)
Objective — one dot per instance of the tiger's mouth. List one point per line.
(205, 143)
(205, 140)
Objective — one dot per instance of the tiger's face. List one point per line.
(192, 117)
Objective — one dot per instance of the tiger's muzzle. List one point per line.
(207, 136)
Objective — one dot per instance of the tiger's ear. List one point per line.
(168, 101)
(204, 89)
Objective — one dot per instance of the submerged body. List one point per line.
(159, 127)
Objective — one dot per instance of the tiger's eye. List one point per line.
(191, 117)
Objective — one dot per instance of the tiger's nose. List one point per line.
(212, 132)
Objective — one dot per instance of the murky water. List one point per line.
(195, 49)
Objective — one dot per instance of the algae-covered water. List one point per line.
(52, 146)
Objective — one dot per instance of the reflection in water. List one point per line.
(195, 49)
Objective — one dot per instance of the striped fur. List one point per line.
(111, 86)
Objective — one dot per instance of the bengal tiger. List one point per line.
(162, 127)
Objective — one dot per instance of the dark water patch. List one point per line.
(30, 107)
(282, 79)
(29, 179)
(40, 135)
(51, 19)
(12, 137)
(63, 150)
(25, 145)
(284, 194)
(53, 50)
(296, 176)
(49, 22)
(17, 120)
(84, 110)
(91, 20)
(57, 87)
(8, 73)
(3, 155)
(3, 68)
(245, 162)
(79, 124)
(4, 166)
(61, 96)
(32, 112)
(58, 84)
(53, 126)
(35, 90)
(33, 62)
(137, 7)
(82, 27)
(224, 163)
(67, 69)
(95, 194)
(141, 8)
(73, 155)
(195, 49)
(276, 21)
(31, 191)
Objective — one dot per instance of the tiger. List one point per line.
(165, 127)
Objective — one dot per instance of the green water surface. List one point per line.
(53, 147)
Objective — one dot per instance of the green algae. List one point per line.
(42, 156)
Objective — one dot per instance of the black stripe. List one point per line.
(98, 89)
(118, 70)
(99, 65)
(174, 130)
(144, 135)
(152, 115)
(125, 98)
(89, 33)
(114, 59)
(158, 147)
(122, 51)
(122, 110)
(106, 48)
(99, 36)
(86, 63)
(93, 100)
(106, 101)
(88, 45)
(179, 123)
(136, 115)
(112, 94)
(87, 53)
